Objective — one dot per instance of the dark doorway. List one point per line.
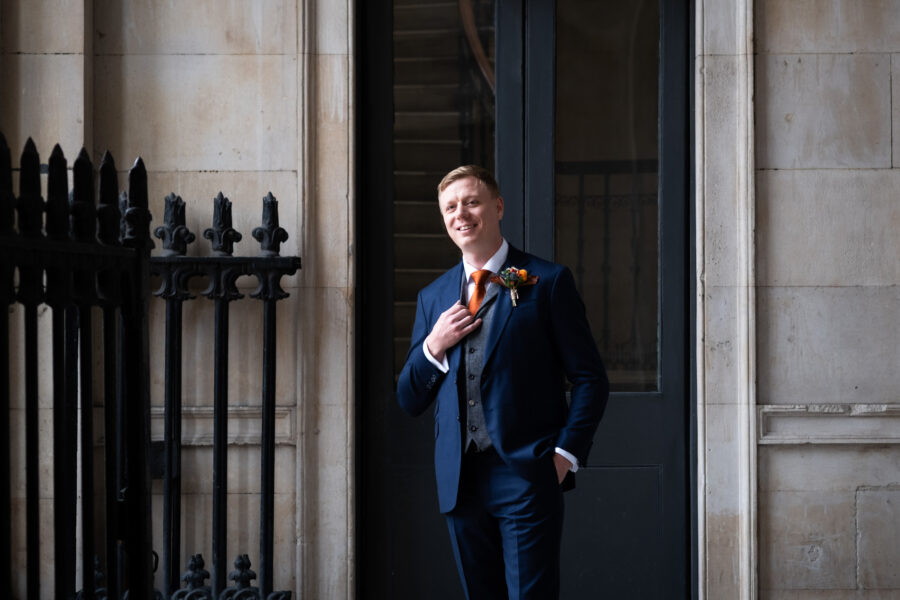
(584, 105)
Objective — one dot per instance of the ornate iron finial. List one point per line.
(196, 575)
(83, 212)
(222, 235)
(242, 574)
(108, 213)
(173, 232)
(7, 200)
(137, 216)
(30, 205)
(270, 235)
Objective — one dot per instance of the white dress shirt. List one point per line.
(493, 264)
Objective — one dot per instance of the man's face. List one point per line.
(471, 215)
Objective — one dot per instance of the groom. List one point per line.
(494, 341)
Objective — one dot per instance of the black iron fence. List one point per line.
(73, 255)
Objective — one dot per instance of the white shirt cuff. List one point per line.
(567, 455)
(443, 365)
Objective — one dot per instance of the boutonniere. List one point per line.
(511, 278)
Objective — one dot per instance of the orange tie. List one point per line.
(481, 279)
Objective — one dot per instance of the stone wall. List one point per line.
(828, 337)
(246, 98)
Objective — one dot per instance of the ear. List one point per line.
(499, 207)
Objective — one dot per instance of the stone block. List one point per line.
(243, 474)
(827, 26)
(878, 520)
(721, 166)
(42, 27)
(829, 595)
(818, 468)
(723, 459)
(895, 109)
(325, 219)
(722, 555)
(198, 27)
(807, 540)
(19, 547)
(42, 98)
(823, 111)
(847, 216)
(198, 113)
(821, 345)
(332, 27)
(325, 348)
(720, 35)
(18, 471)
(722, 347)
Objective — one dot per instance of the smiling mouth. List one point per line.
(465, 228)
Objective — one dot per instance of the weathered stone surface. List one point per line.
(827, 26)
(720, 29)
(722, 346)
(831, 227)
(239, 113)
(823, 111)
(722, 552)
(895, 109)
(807, 540)
(325, 217)
(198, 27)
(829, 595)
(42, 27)
(878, 520)
(42, 98)
(818, 345)
(720, 171)
(827, 468)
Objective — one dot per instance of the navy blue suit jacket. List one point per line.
(531, 349)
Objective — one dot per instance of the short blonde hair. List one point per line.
(479, 173)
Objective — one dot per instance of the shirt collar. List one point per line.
(493, 264)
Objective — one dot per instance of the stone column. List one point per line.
(726, 353)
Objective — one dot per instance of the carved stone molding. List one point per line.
(829, 424)
(244, 425)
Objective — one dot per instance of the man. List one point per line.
(495, 360)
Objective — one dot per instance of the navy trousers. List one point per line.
(506, 531)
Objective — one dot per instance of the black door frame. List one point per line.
(526, 225)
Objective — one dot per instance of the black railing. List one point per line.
(82, 257)
(222, 270)
(85, 257)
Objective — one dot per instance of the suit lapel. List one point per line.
(504, 308)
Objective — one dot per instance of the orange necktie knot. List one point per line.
(480, 278)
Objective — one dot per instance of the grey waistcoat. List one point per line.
(473, 360)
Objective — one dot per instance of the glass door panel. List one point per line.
(606, 200)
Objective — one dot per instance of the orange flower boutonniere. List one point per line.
(512, 278)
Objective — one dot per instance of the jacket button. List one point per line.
(471, 376)
(473, 428)
(471, 350)
(471, 403)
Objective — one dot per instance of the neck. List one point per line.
(478, 258)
